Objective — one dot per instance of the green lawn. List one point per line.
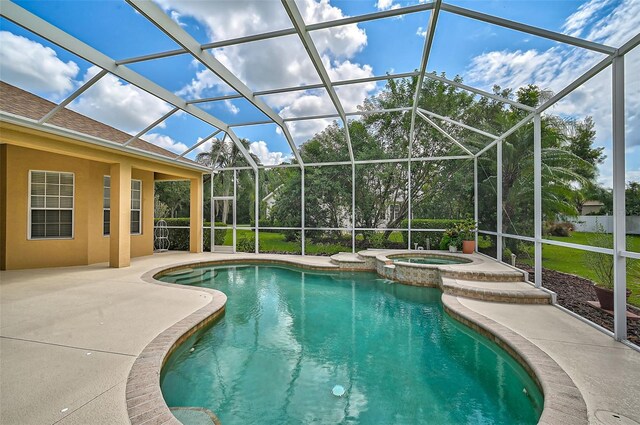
(275, 242)
(573, 261)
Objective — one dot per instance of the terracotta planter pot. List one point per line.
(605, 297)
(468, 247)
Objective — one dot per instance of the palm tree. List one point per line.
(224, 154)
(563, 172)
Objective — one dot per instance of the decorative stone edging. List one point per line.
(563, 402)
(145, 403)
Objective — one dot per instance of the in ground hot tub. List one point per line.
(417, 268)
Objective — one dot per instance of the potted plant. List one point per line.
(450, 239)
(467, 230)
(602, 266)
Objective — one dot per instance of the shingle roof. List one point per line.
(20, 102)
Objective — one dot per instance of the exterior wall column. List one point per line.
(120, 234)
(195, 214)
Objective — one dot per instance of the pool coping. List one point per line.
(563, 402)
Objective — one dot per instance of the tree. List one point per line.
(580, 137)
(564, 173)
(633, 198)
(175, 195)
(225, 154)
(444, 188)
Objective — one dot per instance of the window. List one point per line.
(106, 205)
(136, 207)
(50, 205)
(394, 211)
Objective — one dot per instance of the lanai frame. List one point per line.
(614, 58)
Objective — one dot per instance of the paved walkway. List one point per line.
(606, 372)
(69, 336)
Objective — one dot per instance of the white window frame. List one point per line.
(106, 235)
(73, 207)
(136, 209)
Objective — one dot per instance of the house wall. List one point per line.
(88, 244)
(3, 206)
(590, 209)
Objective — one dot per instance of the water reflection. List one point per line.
(288, 337)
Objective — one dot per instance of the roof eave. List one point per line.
(9, 118)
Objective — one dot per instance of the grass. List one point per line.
(275, 242)
(574, 261)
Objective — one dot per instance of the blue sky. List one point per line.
(483, 54)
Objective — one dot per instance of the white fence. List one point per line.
(589, 223)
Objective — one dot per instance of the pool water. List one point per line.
(288, 337)
(429, 260)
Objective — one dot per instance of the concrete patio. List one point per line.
(69, 336)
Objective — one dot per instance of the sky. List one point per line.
(481, 53)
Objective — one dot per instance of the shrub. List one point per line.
(484, 242)
(601, 263)
(179, 238)
(246, 243)
(562, 229)
(428, 223)
(525, 250)
(265, 222)
(292, 235)
(506, 255)
(377, 240)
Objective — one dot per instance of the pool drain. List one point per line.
(612, 418)
(338, 391)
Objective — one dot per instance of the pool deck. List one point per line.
(69, 337)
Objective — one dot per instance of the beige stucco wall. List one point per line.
(89, 166)
(23, 253)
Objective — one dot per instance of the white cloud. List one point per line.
(231, 107)
(422, 32)
(518, 68)
(598, 20)
(165, 142)
(558, 66)
(261, 150)
(386, 5)
(34, 67)
(203, 81)
(206, 146)
(576, 23)
(119, 104)
(176, 17)
(277, 63)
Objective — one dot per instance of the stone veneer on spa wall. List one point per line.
(473, 277)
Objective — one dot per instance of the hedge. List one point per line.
(427, 223)
(179, 238)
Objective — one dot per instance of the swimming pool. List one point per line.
(428, 259)
(288, 337)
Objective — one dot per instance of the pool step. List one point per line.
(349, 261)
(198, 277)
(495, 291)
(485, 276)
